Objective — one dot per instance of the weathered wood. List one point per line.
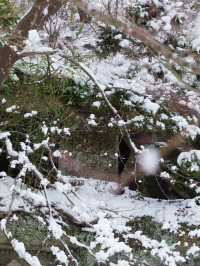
(8, 57)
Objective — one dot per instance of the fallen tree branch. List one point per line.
(101, 88)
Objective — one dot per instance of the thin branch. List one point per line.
(35, 53)
(101, 88)
(69, 252)
(51, 159)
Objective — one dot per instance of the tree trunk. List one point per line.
(84, 17)
(7, 59)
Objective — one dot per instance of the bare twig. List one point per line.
(101, 88)
(69, 252)
(35, 53)
(51, 159)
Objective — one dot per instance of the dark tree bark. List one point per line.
(84, 17)
(7, 58)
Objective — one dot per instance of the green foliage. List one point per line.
(108, 44)
(69, 104)
(190, 164)
(45, 97)
(41, 78)
(8, 15)
(143, 12)
(74, 93)
(154, 231)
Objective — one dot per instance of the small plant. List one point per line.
(108, 42)
(142, 13)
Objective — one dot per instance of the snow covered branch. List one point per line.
(101, 89)
(35, 53)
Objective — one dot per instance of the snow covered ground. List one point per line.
(94, 202)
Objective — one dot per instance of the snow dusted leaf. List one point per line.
(11, 152)
(120, 263)
(55, 228)
(109, 243)
(60, 255)
(31, 114)
(193, 250)
(11, 109)
(57, 154)
(21, 251)
(194, 233)
(166, 253)
(91, 120)
(150, 106)
(4, 135)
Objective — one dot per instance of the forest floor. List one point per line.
(167, 229)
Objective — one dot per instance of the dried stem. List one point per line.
(101, 88)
